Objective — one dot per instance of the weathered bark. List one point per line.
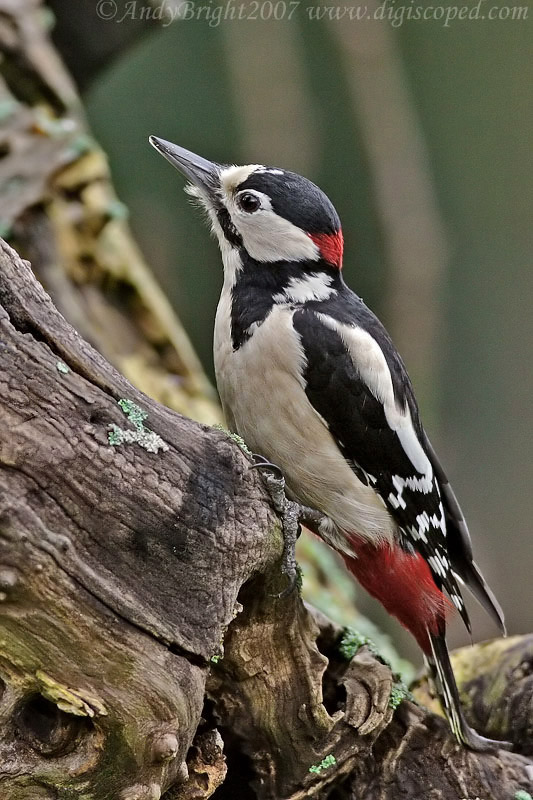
(138, 610)
(58, 208)
(67, 530)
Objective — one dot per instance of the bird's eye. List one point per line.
(248, 202)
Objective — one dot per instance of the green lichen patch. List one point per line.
(215, 659)
(140, 435)
(54, 127)
(522, 795)
(115, 436)
(47, 19)
(146, 439)
(235, 438)
(349, 645)
(62, 367)
(399, 693)
(134, 413)
(352, 641)
(8, 106)
(328, 761)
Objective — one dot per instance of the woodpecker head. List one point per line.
(269, 214)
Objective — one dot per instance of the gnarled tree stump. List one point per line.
(143, 649)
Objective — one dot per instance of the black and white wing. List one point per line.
(356, 381)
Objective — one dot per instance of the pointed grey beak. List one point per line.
(200, 171)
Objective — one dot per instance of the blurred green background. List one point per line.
(421, 135)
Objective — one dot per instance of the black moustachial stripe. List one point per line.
(230, 231)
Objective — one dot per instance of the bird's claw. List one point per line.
(263, 463)
(290, 515)
(275, 482)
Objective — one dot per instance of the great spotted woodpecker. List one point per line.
(311, 380)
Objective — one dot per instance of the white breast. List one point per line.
(263, 395)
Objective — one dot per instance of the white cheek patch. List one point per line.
(269, 237)
(266, 236)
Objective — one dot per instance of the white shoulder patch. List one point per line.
(371, 364)
(367, 357)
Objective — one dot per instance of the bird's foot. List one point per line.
(274, 480)
(291, 514)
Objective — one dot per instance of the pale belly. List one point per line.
(264, 399)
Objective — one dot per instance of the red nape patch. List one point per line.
(331, 246)
(404, 585)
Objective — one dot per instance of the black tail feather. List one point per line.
(460, 546)
(470, 574)
(441, 672)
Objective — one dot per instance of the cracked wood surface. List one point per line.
(117, 563)
(124, 572)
